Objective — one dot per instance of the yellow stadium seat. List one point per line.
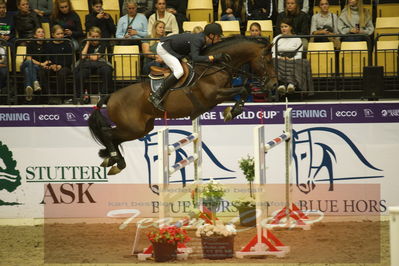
(387, 10)
(387, 25)
(333, 9)
(126, 62)
(352, 58)
(321, 56)
(265, 25)
(112, 7)
(387, 56)
(189, 25)
(230, 27)
(200, 10)
(19, 58)
(46, 27)
(82, 9)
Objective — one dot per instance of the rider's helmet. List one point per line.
(213, 28)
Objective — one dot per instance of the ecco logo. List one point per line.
(346, 113)
(53, 117)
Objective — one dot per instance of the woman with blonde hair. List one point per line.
(149, 48)
(355, 19)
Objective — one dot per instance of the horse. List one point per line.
(133, 115)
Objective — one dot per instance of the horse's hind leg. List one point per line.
(120, 161)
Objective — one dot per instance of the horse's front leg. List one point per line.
(231, 112)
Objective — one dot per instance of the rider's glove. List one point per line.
(223, 57)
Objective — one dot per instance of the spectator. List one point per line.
(60, 60)
(255, 29)
(355, 19)
(300, 20)
(231, 9)
(25, 20)
(150, 48)
(197, 29)
(98, 18)
(42, 8)
(3, 69)
(133, 25)
(93, 62)
(260, 9)
(324, 22)
(161, 14)
(303, 5)
(143, 6)
(7, 29)
(293, 71)
(64, 15)
(34, 62)
(178, 8)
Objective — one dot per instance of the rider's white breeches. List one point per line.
(172, 62)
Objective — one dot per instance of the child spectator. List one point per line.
(150, 48)
(161, 14)
(7, 29)
(133, 25)
(25, 20)
(324, 22)
(231, 9)
(255, 30)
(42, 8)
(98, 18)
(260, 9)
(303, 5)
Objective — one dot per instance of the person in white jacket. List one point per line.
(161, 14)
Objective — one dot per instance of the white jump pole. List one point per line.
(394, 234)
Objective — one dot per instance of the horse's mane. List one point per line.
(234, 40)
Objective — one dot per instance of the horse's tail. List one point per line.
(98, 122)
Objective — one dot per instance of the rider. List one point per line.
(175, 47)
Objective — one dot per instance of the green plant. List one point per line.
(244, 202)
(247, 165)
(170, 234)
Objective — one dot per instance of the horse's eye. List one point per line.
(303, 155)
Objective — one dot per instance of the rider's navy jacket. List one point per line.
(181, 45)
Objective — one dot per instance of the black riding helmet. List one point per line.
(213, 28)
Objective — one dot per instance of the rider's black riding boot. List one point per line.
(156, 97)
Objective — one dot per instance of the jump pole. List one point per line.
(165, 170)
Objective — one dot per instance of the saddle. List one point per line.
(158, 74)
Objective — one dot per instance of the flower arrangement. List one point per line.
(247, 165)
(215, 230)
(170, 234)
(244, 202)
(211, 193)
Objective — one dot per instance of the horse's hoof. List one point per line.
(114, 170)
(105, 162)
(227, 114)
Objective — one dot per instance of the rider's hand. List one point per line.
(223, 57)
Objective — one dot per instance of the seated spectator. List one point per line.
(300, 20)
(102, 20)
(178, 8)
(7, 29)
(59, 55)
(231, 9)
(197, 29)
(260, 9)
(143, 6)
(93, 61)
(293, 71)
(324, 22)
(355, 19)
(42, 8)
(303, 5)
(34, 62)
(161, 14)
(255, 30)
(64, 15)
(133, 25)
(150, 48)
(25, 20)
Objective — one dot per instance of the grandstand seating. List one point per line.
(200, 10)
(352, 58)
(189, 25)
(321, 56)
(230, 27)
(266, 26)
(387, 25)
(388, 10)
(126, 62)
(82, 9)
(387, 56)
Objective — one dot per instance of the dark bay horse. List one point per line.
(133, 115)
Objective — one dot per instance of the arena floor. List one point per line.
(327, 243)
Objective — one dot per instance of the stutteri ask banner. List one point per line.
(47, 156)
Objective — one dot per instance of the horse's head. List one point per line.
(263, 65)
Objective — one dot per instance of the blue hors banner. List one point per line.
(48, 158)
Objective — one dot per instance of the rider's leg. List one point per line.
(177, 72)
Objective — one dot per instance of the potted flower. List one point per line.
(217, 240)
(246, 205)
(164, 242)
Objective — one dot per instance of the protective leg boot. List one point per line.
(156, 97)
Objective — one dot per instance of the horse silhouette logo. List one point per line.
(316, 160)
(180, 154)
(10, 178)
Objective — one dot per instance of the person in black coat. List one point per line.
(260, 9)
(174, 47)
(178, 8)
(100, 19)
(26, 21)
(300, 20)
